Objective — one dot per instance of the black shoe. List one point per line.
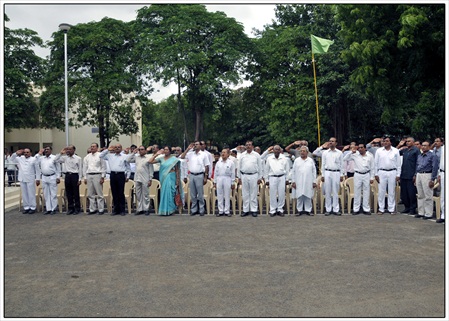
(440, 220)
(308, 213)
(201, 214)
(100, 213)
(244, 214)
(47, 212)
(193, 214)
(405, 211)
(228, 214)
(70, 212)
(298, 214)
(327, 214)
(54, 212)
(337, 213)
(366, 213)
(280, 213)
(218, 214)
(254, 214)
(26, 211)
(32, 212)
(123, 213)
(76, 212)
(139, 213)
(147, 213)
(93, 212)
(114, 213)
(427, 217)
(419, 216)
(355, 213)
(273, 214)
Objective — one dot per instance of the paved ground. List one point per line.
(181, 266)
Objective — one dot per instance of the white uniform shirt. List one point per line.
(72, 164)
(94, 164)
(197, 162)
(276, 166)
(362, 164)
(332, 160)
(387, 159)
(48, 165)
(225, 168)
(250, 163)
(117, 162)
(28, 168)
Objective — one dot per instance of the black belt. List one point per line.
(70, 173)
(197, 173)
(425, 172)
(117, 173)
(387, 170)
(248, 173)
(49, 175)
(93, 173)
(332, 170)
(362, 172)
(442, 170)
(277, 175)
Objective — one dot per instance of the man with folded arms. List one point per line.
(94, 172)
(198, 165)
(426, 172)
(363, 177)
(276, 169)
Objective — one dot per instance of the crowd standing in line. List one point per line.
(416, 165)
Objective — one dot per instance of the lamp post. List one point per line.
(65, 27)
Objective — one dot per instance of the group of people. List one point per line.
(417, 168)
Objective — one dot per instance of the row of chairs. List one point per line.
(345, 196)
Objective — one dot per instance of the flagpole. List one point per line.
(316, 99)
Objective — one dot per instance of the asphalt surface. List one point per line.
(182, 266)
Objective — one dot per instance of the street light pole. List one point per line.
(65, 27)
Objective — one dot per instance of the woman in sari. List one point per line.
(169, 175)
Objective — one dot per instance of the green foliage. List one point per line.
(23, 69)
(103, 83)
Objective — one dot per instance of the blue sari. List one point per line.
(167, 178)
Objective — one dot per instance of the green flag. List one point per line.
(320, 45)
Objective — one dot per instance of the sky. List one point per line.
(45, 18)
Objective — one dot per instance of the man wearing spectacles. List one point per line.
(28, 178)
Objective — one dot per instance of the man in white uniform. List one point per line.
(363, 177)
(250, 175)
(387, 168)
(276, 169)
(51, 171)
(224, 177)
(332, 175)
(441, 181)
(303, 181)
(28, 178)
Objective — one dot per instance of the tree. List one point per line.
(104, 85)
(202, 52)
(23, 69)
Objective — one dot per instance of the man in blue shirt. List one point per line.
(409, 154)
(426, 173)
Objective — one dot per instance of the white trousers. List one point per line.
(28, 195)
(277, 194)
(387, 183)
(425, 194)
(50, 189)
(304, 201)
(361, 186)
(223, 193)
(142, 196)
(442, 194)
(95, 193)
(249, 192)
(332, 187)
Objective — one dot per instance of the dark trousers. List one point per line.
(11, 176)
(72, 191)
(118, 191)
(408, 194)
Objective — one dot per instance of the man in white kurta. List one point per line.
(51, 171)
(332, 175)
(224, 177)
(303, 177)
(142, 178)
(28, 177)
(276, 169)
(250, 175)
(363, 176)
(387, 169)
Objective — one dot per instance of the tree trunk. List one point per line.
(198, 123)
